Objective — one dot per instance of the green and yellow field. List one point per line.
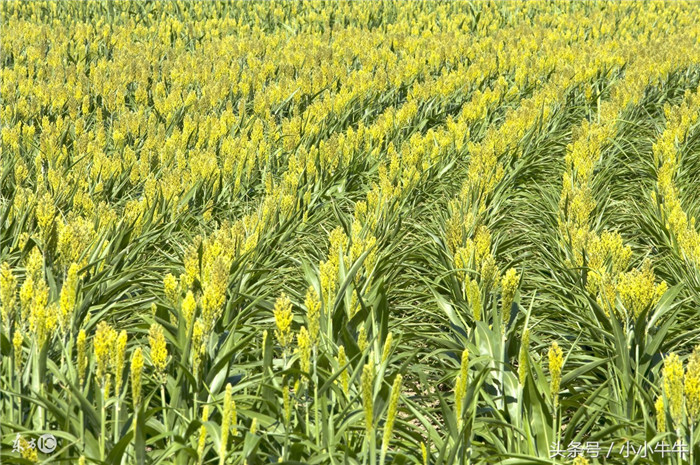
(348, 233)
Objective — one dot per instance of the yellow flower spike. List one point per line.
(692, 385)
(362, 339)
(214, 293)
(556, 360)
(136, 370)
(638, 290)
(102, 345)
(387, 347)
(202, 435)
(461, 385)
(226, 419)
(17, 340)
(42, 316)
(283, 321)
(344, 378)
(489, 271)
(171, 288)
(581, 460)
(673, 386)
(198, 344)
(304, 349)
(424, 453)
(119, 355)
(35, 265)
(313, 314)
(189, 307)
(367, 381)
(286, 404)
(474, 298)
(8, 295)
(45, 213)
(28, 452)
(391, 414)
(159, 350)
(660, 414)
(509, 284)
(68, 296)
(82, 355)
(254, 426)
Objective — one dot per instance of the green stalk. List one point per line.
(37, 387)
(115, 426)
(162, 403)
(314, 379)
(103, 420)
(692, 439)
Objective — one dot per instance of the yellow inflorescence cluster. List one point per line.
(667, 155)
(681, 391)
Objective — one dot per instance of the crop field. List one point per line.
(349, 233)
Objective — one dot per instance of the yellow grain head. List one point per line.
(226, 418)
(344, 378)
(692, 385)
(313, 314)
(81, 344)
(304, 349)
(391, 414)
(102, 345)
(556, 360)
(283, 321)
(68, 297)
(362, 339)
(119, 355)
(159, 350)
(673, 386)
(509, 284)
(8, 295)
(387, 347)
(367, 381)
(660, 414)
(461, 384)
(171, 287)
(136, 371)
(189, 307)
(17, 340)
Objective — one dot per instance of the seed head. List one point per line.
(304, 349)
(17, 340)
(159, 350)
(344, 378)
(313, 313)
(103, 343)
(283, 321)
(136, 370)
(509, 284)
(368, 394)
(119, 354)
(556, 360)
(673, 386)
(692, 385)
(391, 414)
(660, 414)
